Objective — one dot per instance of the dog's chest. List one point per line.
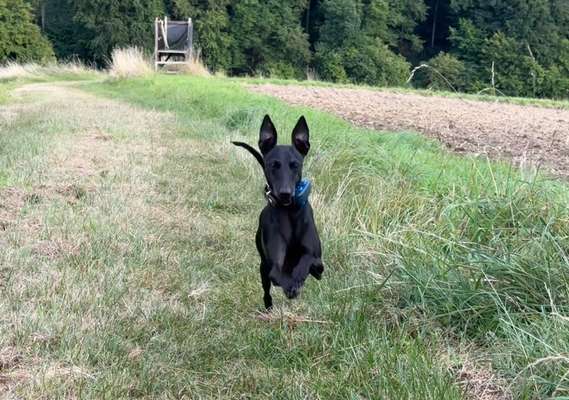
(292, 226)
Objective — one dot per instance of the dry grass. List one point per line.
(312, 75)
(481, 383)
(474, 374)
(129, 62)
(195, 67)
(13, 70)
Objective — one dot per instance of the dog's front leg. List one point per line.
(271, 270)
(266, 281)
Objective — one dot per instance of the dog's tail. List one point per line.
(253, 151)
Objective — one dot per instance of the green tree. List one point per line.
(372, 62)
(61, 29)
(524, 39)
(107, 24)
(213, 34)
(267, 38)
(182, 9)
(342, 23)
(446, 73)
(354, 44)
(404, 16)
(539, 25)
(515, 72)
(21, 39)
(330, 66)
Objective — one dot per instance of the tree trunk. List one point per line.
(435, 15)
(42, 11)
(308, 17)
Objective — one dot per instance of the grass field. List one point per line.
(129, 267)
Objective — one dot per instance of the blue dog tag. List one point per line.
(301, 193)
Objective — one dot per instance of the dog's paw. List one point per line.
(291, 293)
(293, 290)
(316, 271)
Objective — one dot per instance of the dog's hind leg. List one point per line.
(266, 281)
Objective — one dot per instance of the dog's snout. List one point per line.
(285, 196)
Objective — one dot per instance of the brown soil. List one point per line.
(528, 135)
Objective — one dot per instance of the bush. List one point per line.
(555, 83)
(20, 39)
(369, 62)
(516, 72)
(445, 70)
(284, 70)
(329, 66)
(374, 64)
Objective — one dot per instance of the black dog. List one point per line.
(287, 239)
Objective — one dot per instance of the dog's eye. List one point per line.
(276, 165)
(293, 165)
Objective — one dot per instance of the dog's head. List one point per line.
(283, 163)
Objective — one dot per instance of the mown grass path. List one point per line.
(128, 270)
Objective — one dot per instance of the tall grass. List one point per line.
(129, 62)
(474, 250)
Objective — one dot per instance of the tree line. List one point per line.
(516, 47)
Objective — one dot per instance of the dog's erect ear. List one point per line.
(300, 136)
(267, 136)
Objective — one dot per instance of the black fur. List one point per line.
(287, 239)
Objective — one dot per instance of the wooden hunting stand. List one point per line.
(173, 42)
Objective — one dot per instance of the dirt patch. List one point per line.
(14, 200)
(11, 202)
(19, 375)
(10, 368)
(474, 374)
(481, 383)
(9, 358)
(523, 134)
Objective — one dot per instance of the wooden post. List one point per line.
(165, 33)
(156, 44)
(435, 15)
(190, 39)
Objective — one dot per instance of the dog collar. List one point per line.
(301, 194)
